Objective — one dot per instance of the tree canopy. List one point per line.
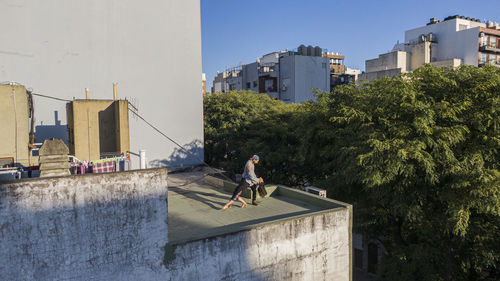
(417, 156)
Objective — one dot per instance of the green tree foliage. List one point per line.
(240, 124)
(417, 155)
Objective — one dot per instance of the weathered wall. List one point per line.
(93, 227)
(14, 137)
(97, 126)
(315, 247)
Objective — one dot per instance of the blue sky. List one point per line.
(240, 31)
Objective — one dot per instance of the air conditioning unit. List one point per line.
(316, 191)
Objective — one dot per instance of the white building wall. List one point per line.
(452, 42)
(310, 73)
(388, 61)
(151, 49)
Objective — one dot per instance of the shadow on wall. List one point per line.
(58, 131)
(182, 157)
(83, 236)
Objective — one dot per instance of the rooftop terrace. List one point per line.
(194, 207)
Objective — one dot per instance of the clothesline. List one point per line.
(114, 164)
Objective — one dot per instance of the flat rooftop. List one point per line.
(194, 207)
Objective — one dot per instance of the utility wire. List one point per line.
(49, 97)
(154, 128)
(180, 146)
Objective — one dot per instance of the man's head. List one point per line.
(255, 159)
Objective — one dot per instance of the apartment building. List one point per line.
(451, 42)
(291, 76)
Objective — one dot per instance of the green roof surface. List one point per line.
(194, 208)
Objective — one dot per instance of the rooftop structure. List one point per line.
(194, 207)
(16, 110)
(450, 42)
(131, 226)
(98, 128)
(290, 235)
(66, 47)
(291, 76)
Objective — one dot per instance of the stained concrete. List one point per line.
(114, 227)
(14, 114)
(97, 127)
(92, 227)
(54, 158)
(291, 235)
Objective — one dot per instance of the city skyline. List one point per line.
(230, 38)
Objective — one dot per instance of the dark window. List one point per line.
(358, 258)
(254, 84)
(372, 257)
(248, 85)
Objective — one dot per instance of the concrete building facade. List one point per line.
(98, 128)
(450, 42)
(300, 75)
(93, 227)
(15, 113)
(291, 76)
(131, 226)
(152, 50)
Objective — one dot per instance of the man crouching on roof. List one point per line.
(249, 179)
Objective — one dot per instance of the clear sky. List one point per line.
(240, 31)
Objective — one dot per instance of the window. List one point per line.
(484, 57)
(493, 42)
(484, 41)
(493, 59)
(254, 84)
(358, 258)
(372, 257)
(248, 85)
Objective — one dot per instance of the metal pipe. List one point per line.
(115, 90)
(142, 155)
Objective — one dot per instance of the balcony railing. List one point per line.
(489, 48)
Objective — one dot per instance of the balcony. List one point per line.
(483, 63)
(489, 48)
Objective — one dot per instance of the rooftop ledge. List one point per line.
(195, 200)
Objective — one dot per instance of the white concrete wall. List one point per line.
(92, 227)
(152, 49)
(314, 247)
(452, 43)
(305, 73)
(388, 61)
(251, 75)
(287, 78)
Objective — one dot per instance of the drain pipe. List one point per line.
(142, 156)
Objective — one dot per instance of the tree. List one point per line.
(417, 156)
(423, 152)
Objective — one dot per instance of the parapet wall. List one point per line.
(92, 227)
(313, 247)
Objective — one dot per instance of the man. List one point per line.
(249, 179)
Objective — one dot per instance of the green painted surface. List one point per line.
(194, 208)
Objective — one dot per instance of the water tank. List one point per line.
(317, 51)
(310, 50)
(302, 50)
